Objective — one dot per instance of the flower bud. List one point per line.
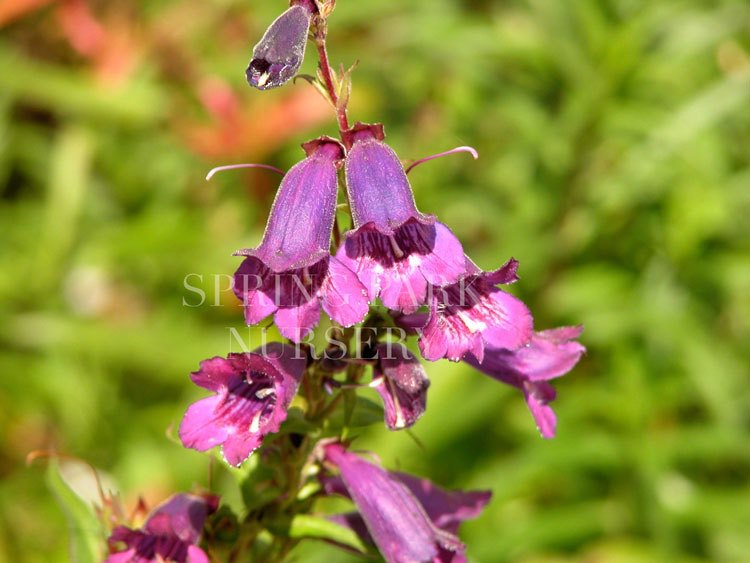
(278, 55)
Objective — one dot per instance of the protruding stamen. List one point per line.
(213, 171)
(306, 278)
(397, 252)
(471, 150)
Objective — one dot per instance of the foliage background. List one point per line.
(614, 165)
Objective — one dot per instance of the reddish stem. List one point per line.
(325, 68)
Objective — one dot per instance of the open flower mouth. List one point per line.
(251, 397)
(408, 243)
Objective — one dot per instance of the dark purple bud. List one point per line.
(252, 394)
(171, 532)
(278, 55)
(549, 354)
(402, 383)
(396, 250)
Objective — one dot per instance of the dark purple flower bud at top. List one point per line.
(406, 517)
(252, 394)
(402, 383)
(549, 354)
(171, 533)
(278, 55)
(291, 272)
(395, 249)
(473, 313)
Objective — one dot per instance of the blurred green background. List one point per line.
(614, 141)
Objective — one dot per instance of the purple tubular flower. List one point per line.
(291, 273)
(549, 354)
(409, 519)
(473, 313)
(278, 55)
(395, 250)
(402, 383)
(253, 392)
(171, 533)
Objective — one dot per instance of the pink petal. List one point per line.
(198, 429)
(295, 323)
(344, 297)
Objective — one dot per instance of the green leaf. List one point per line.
(84, 528)
(364, 412)
(305, 526)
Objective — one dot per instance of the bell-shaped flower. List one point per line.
(409, 519)
(252, 394)
(402, 383)
(171, 533)
(473, 313)
(395, 250)
(291, 272)
(278, 55)
(549, 354)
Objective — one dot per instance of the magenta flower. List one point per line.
(409, 519)
(278, 55)
(402, 383)
(473, 313)
(395, 250)
(291, 273)
(549, 354)
(171, 533)
(253, 392)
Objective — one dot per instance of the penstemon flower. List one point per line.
(473, 314)
(401, 381)
(395, 250)
(291, 273)
(550, 354)
(253, 392)
(171, 533)
(409, 519)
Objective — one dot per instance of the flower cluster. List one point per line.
(395, 269)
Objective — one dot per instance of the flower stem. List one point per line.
(325, 70)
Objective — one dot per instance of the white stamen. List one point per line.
(397, 252)
(263, 393)
(255, 424)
